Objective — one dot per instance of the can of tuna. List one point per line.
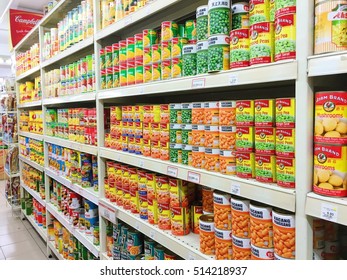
(222, 210)
(202, 23)
(219, 14)
(239, 48)
(261, 225)
(285, 37)
(240, 16)
(284, 233)
(149, 246)
(241, 248)
(262, 45)
(223, 244)
(240, 217)
(330, 23)
(218, 53)
(259, 11)
(261, 253)
(207, 238)
(189, 60)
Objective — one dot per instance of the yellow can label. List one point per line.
(264, 112)
(285, 37)
(259, 11)
(265, 168)
(262, 37)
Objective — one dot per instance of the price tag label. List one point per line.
(329, 212)
(193, 177)
(233, 80)
(172, 171)
(198, 83)
(152, 234)
(137, 225)
(128, 20)
(142, 163)
(235, 189)
(108, 213)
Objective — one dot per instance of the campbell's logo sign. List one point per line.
(32, 21)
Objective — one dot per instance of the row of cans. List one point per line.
(28, 60)
(32, 149)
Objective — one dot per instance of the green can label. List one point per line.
(190, 27)
(218, 53)
(219, 15)
(202, 23)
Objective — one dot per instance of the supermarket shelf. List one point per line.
(185, 246)
(57, 13)
(93, 150)
(87, 193)
(269, 194)
(30, 74)
(316, 207)
(55, 251)
(35, 136)
(29, 39)
(83, 97)
(34, 194)
(141, 14)
(30, 104)
(40, 230)
(261, 74)
(31, 163)
(85, 240)
(72, 50)
(104, 257)
(11, 175)
(327, 64)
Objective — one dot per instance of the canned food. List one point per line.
(330, 170)
(166, 70)
(115, 54)
(187, 155)
(147, 73)
(169, 30)
(285, 172)
(284, 233)
(180, 221)
(261, 253)
(150, 37)
(264, 113)
(218, 53)
(222, 210)
(189, 60)
(219, 15)
(102, 59)
(159, 252)
(227, 162)
(190, 30)
(168, 255)
(202, 57)
(177, 44)
(211, 113)
(245, 165)
(152, 211)
(245, 139)
(198, 113)
(123, 75)
(239, 48)
(202, 23)
(156, 71)
(241, 248)
(164, 222)
(262, 43)
(240, 16)
(176, 67)
(198, 135)
(285, 37)
(207, 238)
(331, 117)
(285, 142)
(138, 46)
(227, 137)
(186, 134)
(149, 246)
(223, 244)
(116, 80)
(196, 212)
(186, 113)
(265, 139)
(240, 217)
(259, 11)
(122, 51)
(130, 49)
(108, 57)
(134, 243)
(330, 24)
(245, 113)
(212, 136)
(265, 168)
(285, 112)
(261, 226)
(175, 153)
(165, 51)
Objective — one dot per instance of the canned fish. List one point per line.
(330, 170)
(330, 25)
(331, 117)
(259, 11)
(240, 217)
(240, 16)
(222, 210)
(218, 53)
(202, 23)
(285, 37)
(241, 248)
(262, 43)
(284, 233)
(206, 230)
(223, 244)
(219, 15)
(239, 48)
(189, 60)
(261, 226)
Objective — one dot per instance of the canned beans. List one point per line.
(223, 244)
(241, 248)
(240, 217)
(207, 239)
(222, 210)
(207, 200)
(261, 226)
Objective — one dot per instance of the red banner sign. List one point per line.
(21, 22)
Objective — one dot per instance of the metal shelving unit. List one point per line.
(93, 150)
(35, 136)
(41, 231)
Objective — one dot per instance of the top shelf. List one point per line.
(58, 12)
(327, 64)
(31, 38)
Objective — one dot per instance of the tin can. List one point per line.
(207, 200)
(134, 243)
(245, 165)
(261, 253)
(123, 75)
(190, 28)
(164, 221)
(239, 48)
(156, 71)
(206, 231)
(180, 221)
(115, 54)
(116, 80)
(262, 43)
(265, 139)
(223, 244)
(150, 37)
(285, 142)
(198, 157)
(259, 11)
(139, 72)
(109, 78)
(261, 217)
(222, 210)
(149, 246)
(130, 48)
(177, 44)
(138, 46)
(189, 60)
(122, 51)
(165, 50)
(285, 113)
(202, 23)
(240, 16)
(169, 30)
(285, 37)
(147, 73)
(202, 57)
(196, 213)
(241, 248)
(330, 23)
(218, 53)
(108, 56)
(175, 153)
(219, 15)
(166, 69)
(265, 168)
(240, 217)
(102, 59)
(159, 252)
(212, 136)
(284, 7)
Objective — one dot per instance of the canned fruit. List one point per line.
(177, 46)
(218, 17)
(149, 37)
(330, 25)
(285, 37)
(176, 67)
(202, 23)
(169, 30)
(285, 142)
(285, 112)
(330, 170)
(285, 172)
(331, 117)
(206, 231)
(284, 234)
(218, 53)
(239, 48)
(190, 28)
(223, 244)
(165, 51)
(265, 168)
(261, 43)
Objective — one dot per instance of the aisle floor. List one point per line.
(18, 239)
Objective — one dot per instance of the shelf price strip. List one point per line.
(172, 171)
(109, 213)
(329, 212)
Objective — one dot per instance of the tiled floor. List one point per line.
(18, 239)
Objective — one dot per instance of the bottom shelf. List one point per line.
(40, 230)
(54, 250)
